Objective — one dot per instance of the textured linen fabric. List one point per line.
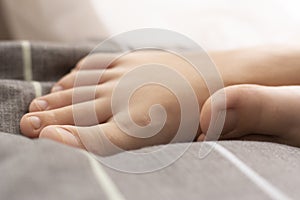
(43, 169)
(48, 63)
(214, 177)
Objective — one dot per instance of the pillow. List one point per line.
(60, 21)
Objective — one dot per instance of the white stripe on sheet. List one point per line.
(27, 67)
(27, 62)
(107, 185)
(261, 182)
(37, 88)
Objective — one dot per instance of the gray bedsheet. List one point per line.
(43, 169)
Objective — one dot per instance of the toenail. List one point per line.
(67, 137)
(35, 122)
(41, 104)
(57, 88)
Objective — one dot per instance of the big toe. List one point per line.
(253, 109)
(64, 134)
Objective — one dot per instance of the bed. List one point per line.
(43, 169)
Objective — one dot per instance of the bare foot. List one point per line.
(259, 113)
(53, 116)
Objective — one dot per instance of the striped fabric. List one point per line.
(43, 169)
(28, 71)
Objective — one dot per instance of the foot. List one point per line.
(258, 113)
(54, 116)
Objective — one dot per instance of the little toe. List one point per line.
(96, 61)
(77, 79)
(85, 78)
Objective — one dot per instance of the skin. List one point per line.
(261, 113)
(251, 108)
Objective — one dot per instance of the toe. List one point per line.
(242, 110)
(87, 72)
(252, 109)
(103, 139)
(81, 78)
(67, 97)
(31, 124)
(97, 61)
(77, 79)
(82, 114)
(94, 139)
(64, 134)
(107, 139)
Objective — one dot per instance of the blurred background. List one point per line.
(214, 24)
